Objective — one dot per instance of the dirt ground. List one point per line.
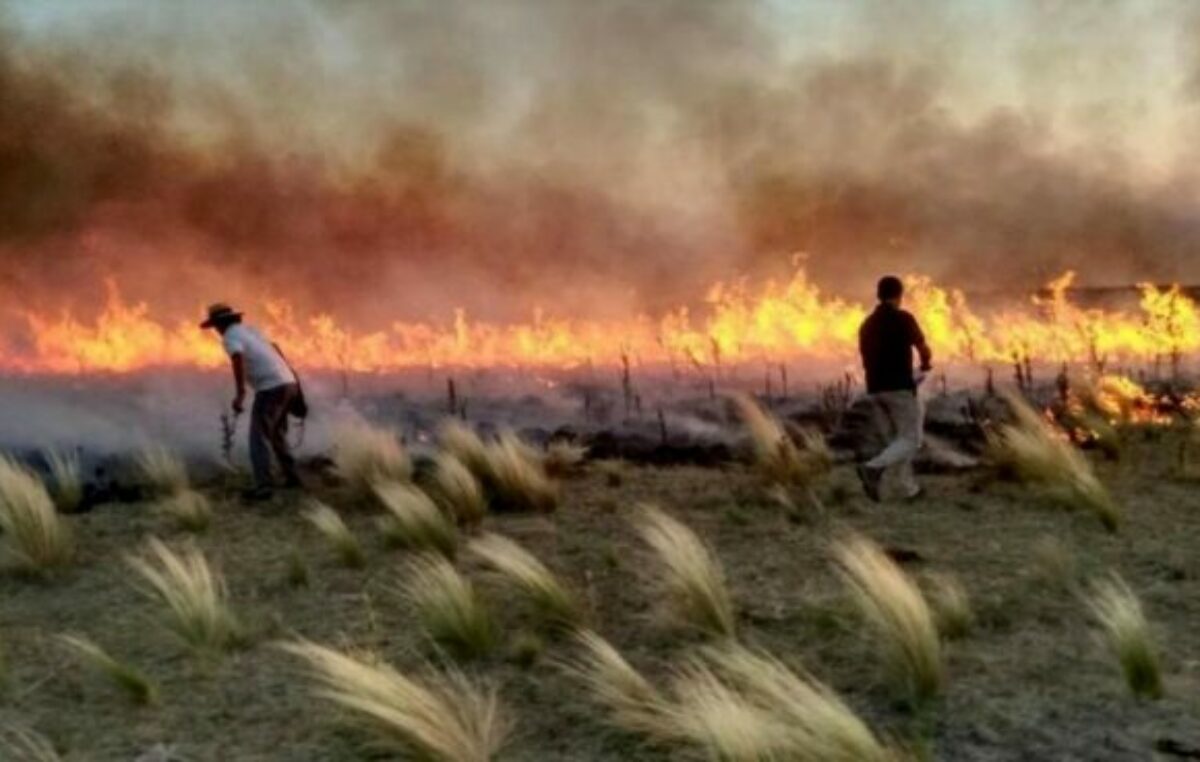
(1030, 682)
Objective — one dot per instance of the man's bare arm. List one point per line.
(926, 356)
(239, 381)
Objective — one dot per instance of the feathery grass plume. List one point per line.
(189, 509)
(163, 471)
(819, 725)
(363, 455)
(633, 704)
(461, 441)
(721, 720)
(413, 521)
(778, 458)
(194, 594)
(563, 458)
(893, 605)
(21, 745)
(126, 677)
(1055, 562)
(66, 479)
(1117, 609)
(35, 535)
(1035, 452)
(692, 575)
(518, 480)
(334, 530)
(442, 718)
(951, 606)
(556, 603)
(449, 609)
(457, 490)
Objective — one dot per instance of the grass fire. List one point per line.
(591, 380)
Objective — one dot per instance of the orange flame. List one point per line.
(776, 322)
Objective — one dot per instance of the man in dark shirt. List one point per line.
(886, 342)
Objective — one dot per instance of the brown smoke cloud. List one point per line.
(387, 160)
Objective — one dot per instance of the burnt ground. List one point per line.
(1030, 682)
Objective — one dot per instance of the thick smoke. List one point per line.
(599, 157)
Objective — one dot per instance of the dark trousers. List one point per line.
(268, 433)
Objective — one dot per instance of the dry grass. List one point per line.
(449, 609)
(691, 574)
(364, 455)
(336, 533)
(633, 704)
(517, 477)
(951, 606)
(412, 520)
(564, 458)
(195, 596)
(555, 603)
(442, 718)
(189, 509)
(66, 479)
(460, 440)
(722, 721)
(162, 470)
(1054, 562)
(457, 490)
(35, 536)
(1035, 452)
(22, 745)
(776, 454)
(894, 607)
(818, 724)
(1117, 609)
(130, 680)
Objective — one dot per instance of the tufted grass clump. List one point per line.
(555, 603)
(36, 538)
(412, 520)
(331, 526)
(66, 479)
(135, 685)
(449, 609)
(1119, 612)
(163, 471)
(189, 509)
(364, 455)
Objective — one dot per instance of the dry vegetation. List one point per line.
(364, 455)
(1119, 613)
(36, 538)
(411, 520)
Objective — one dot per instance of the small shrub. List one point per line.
(691, 574)
(413, 521)
(364, 455)
(132, 682)
(554, 602)
(441, 718)
(334, 530)
(1119, 613)
(194, 595)
(894, 607)
(189, 509)
(449, 609)
(35, 536)
(66, 479)
(163, 471)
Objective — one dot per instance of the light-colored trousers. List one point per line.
(902, 415)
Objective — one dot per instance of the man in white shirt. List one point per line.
(259, 363)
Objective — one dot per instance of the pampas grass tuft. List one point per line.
(951, 606)
(334, 530)
(776, 454)
(449, 609)
(21, 745)
(564, 458)
(633, 704)
(413, 521)
(36, 537)
(518, 479)
(555, 603)
(195, 596)
(162, 470)
(189, 509)
(894, 607)
(136, 686)
(691, 573)
(66, 479)
(457, 490)
(460, 440)
(1033, 451)
(442, 718)
(1117, 609)
(364, 455)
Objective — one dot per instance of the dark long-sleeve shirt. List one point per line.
(886, 342)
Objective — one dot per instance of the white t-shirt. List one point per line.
(265, 367)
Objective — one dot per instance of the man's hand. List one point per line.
(239, 403)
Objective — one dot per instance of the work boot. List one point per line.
(870, 478)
